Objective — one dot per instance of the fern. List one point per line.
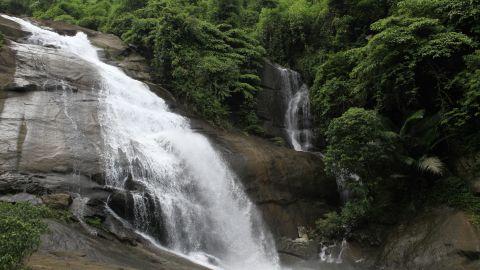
(432, 165)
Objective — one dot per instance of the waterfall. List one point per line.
(297, 115)
(183, 186)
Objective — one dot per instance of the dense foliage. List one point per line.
(201, 50)
(20, 229)
(395, 93)
(395, 83)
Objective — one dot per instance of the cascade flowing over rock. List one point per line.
(290, 187)
(284, 106)
(50, 151)
(51, 142)
(204, 210)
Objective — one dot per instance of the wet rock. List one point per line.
(7, 70)
(111, 44)
(11, 30)
(21, 197)
(58, 201)
(136, 67)
(56, 129)
(13, 182)
(439, 239)
(301, 248)
(68, 246)
(123, 231)
(121, 202)
(290, 188)
(271, 104)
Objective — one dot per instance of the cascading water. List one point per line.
(202, 208)
(297, 116)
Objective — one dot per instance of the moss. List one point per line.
(20, 228)
(278, 141)
(94, 222)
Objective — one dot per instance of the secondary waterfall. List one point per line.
(297, 116)
(185, 195)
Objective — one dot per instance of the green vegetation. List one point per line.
(455, 192)
(20, 229)
(395, 94)
(2, 40)
(203, 51)
(94, 222)
(395, 84)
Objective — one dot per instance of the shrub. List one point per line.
(65, 18)
(331, 226)
(20, 229)
(359, 144)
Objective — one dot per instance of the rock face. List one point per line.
(439, 239)
(289, 187)
(67, 246)
(271, 103)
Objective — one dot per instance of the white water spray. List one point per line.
(297, 116)
(202, 207)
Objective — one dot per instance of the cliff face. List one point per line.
(272, 103)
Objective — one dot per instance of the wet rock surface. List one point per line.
(290, 188)
(271, 104)
(68, 246)
(439, 239)
(58, 200)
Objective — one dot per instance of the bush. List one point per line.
(358, 143)
(331, 226)
(65, 18)
(20, 229)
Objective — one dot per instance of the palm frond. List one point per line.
(431, 164)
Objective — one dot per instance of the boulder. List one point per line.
(21, 197)
(438, 239)
(57, 201)
(301, 248)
